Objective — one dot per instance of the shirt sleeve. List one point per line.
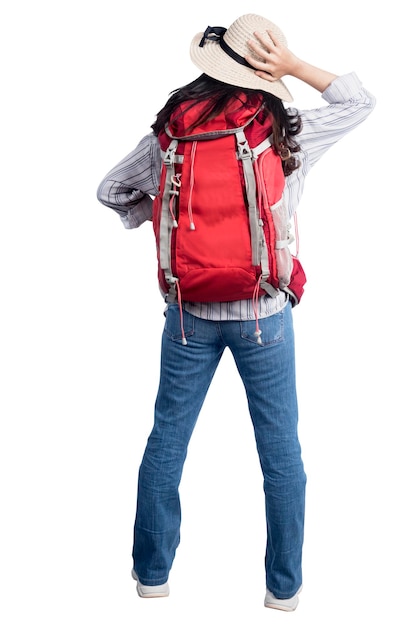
(129, 188)
(349, 104)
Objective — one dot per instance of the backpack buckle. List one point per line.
(170, 153)
(244, 150)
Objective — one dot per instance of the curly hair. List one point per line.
(286, 123)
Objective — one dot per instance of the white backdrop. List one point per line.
(82, 319)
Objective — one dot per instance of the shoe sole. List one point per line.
(152, 594)
(283, 607)
(149, 594)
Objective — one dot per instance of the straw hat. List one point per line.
(220, 52)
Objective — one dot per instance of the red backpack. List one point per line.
(221, 227)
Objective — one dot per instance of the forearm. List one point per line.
(130, 186)
(134, 207)
(314, 76)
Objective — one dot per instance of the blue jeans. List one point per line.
(268, 374)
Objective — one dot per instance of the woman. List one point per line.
(244, 63)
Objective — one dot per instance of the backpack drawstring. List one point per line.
(175, 181)
(183, 335)
(255, 309)
(189, 206)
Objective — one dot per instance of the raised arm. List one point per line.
(278, 61)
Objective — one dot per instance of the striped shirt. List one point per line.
(129, 188)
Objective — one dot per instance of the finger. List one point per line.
(258, 65)
(257, 49)
(268, 41)
(262, 62)
(265, 76)
(275, 41)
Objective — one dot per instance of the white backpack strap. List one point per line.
(258, 242)
(245, 155)
(267, 143)
(166, 224)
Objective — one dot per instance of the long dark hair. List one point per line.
(286, 123)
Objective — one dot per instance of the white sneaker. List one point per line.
(150, 591)
(289, 604)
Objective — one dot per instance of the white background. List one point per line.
(82, 319)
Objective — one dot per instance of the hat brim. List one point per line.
(214, 62)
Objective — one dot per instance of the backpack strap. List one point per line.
(166, 224)
(258, 243)
(245, 155)
(267, 143)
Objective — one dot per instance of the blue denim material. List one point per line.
(268, 374)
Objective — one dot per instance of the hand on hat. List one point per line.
(277, 61)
